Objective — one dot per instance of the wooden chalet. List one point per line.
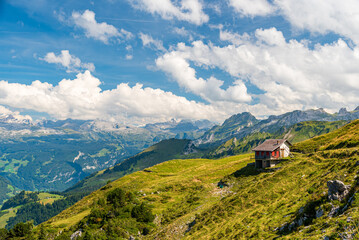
(270, 152)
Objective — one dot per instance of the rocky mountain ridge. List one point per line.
(243, 124)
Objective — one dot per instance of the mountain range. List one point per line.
(228, 198)
(237, 135)
(54, 155)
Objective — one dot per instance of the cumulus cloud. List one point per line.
(252, 8)
(99, 31)
(290, 75)
(176, 64)
(319, 17)
(323, 16)
(82, 98)
(234, 38)
(70, 62)
(148, 41)
(185, 10)
(15, 115)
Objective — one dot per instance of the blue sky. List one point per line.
(145, 61)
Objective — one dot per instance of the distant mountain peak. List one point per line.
(342, 111)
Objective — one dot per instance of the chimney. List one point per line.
(277, 142)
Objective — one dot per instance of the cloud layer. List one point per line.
(186, 10)
(320, 16)
(82, 98)
(251, 8)
(289, 73)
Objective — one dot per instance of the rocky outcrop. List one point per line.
(337, 190)
(76, 235)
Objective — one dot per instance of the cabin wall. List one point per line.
(286, 149)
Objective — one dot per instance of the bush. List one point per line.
(21, 229)
(142, 213)
(4, 234)
(117, 197)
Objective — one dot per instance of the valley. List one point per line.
(282, 202)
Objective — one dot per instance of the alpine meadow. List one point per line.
(179, 119)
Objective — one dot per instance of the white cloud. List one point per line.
(148, 41)
(129, 57)
(176, 64)
(16, 116)
(252, 8)
(82, 98)
(183, 32)
(323, 16)
(290, 75)
(185, 10)
(70, 62)
(99, 31)
(319, 17)
(234, 38)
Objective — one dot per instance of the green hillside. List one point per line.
(14, 204)
(296, 133)
(229, 199)
(6, 189)
(160, 152)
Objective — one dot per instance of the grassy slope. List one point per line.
(44, 198)
(254, 205)
(160, 152)
(298, 132)
(6, 190)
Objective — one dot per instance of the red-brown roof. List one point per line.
(271, 145)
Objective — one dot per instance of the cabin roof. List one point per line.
(271, 145)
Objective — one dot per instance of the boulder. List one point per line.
(76, 235)
(334, 211)
(337, 190)
(319, 213)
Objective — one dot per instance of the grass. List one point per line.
(14, 165)
(6, 215)
(103, 152)
(160, 152)
(46, 198)
(254, 204)
(166, 185)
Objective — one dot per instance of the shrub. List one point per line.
(117, 197)
(142, 213)
(21, 229)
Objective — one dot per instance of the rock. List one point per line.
(319, 213)
(301, 221)
(326, 238)
(291, 226)
(357, 108)
(284, 225)
(357, 163)
(76, 235)
(301, 210)
(337, 190)
(131, 238)
(333, 211)
(342, 111)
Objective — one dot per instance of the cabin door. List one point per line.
(282, 153)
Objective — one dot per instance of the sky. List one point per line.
(141, 61)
